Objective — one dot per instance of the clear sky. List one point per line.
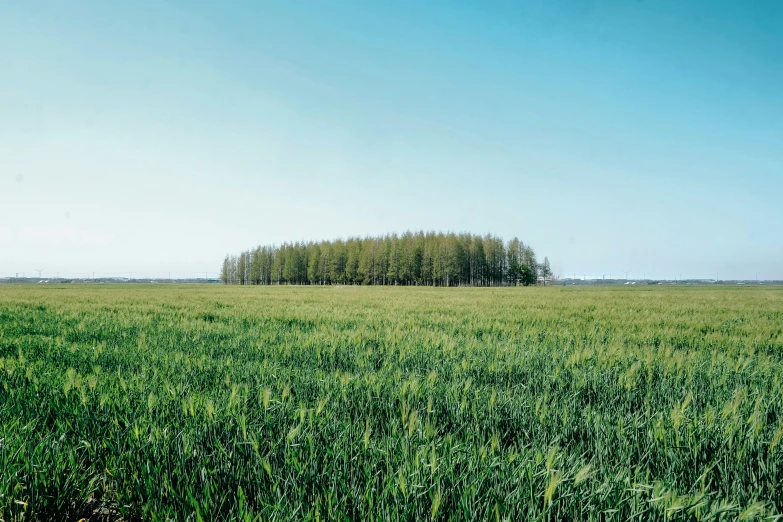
(157, 136)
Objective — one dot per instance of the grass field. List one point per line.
(278, 403)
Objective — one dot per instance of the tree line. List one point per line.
(412, 258)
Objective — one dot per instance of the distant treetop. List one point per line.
(413, 258)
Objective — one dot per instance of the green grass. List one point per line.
(278, 403)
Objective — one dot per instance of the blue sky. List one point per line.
(151, 137)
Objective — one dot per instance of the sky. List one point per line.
(158, 136)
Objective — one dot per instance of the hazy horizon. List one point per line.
(610, 136)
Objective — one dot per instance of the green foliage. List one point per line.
(321, 403)
(421, 259)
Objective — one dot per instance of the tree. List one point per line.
(546, 270)
(338, 262)
(413, 258)
(353, 252)
(528, 276)
(314, 265)
(242, 268)
(277, 264)
(225, 271)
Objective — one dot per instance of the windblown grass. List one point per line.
(246, 403)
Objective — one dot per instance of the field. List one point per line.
(320, 403)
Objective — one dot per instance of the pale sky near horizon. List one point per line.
(156, 137)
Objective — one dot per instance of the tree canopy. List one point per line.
(412, 258)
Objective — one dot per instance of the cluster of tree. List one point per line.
(413, 258)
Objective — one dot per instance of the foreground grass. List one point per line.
(214, 403)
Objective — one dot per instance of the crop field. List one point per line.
(322, 403)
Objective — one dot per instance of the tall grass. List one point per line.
(266, 403)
